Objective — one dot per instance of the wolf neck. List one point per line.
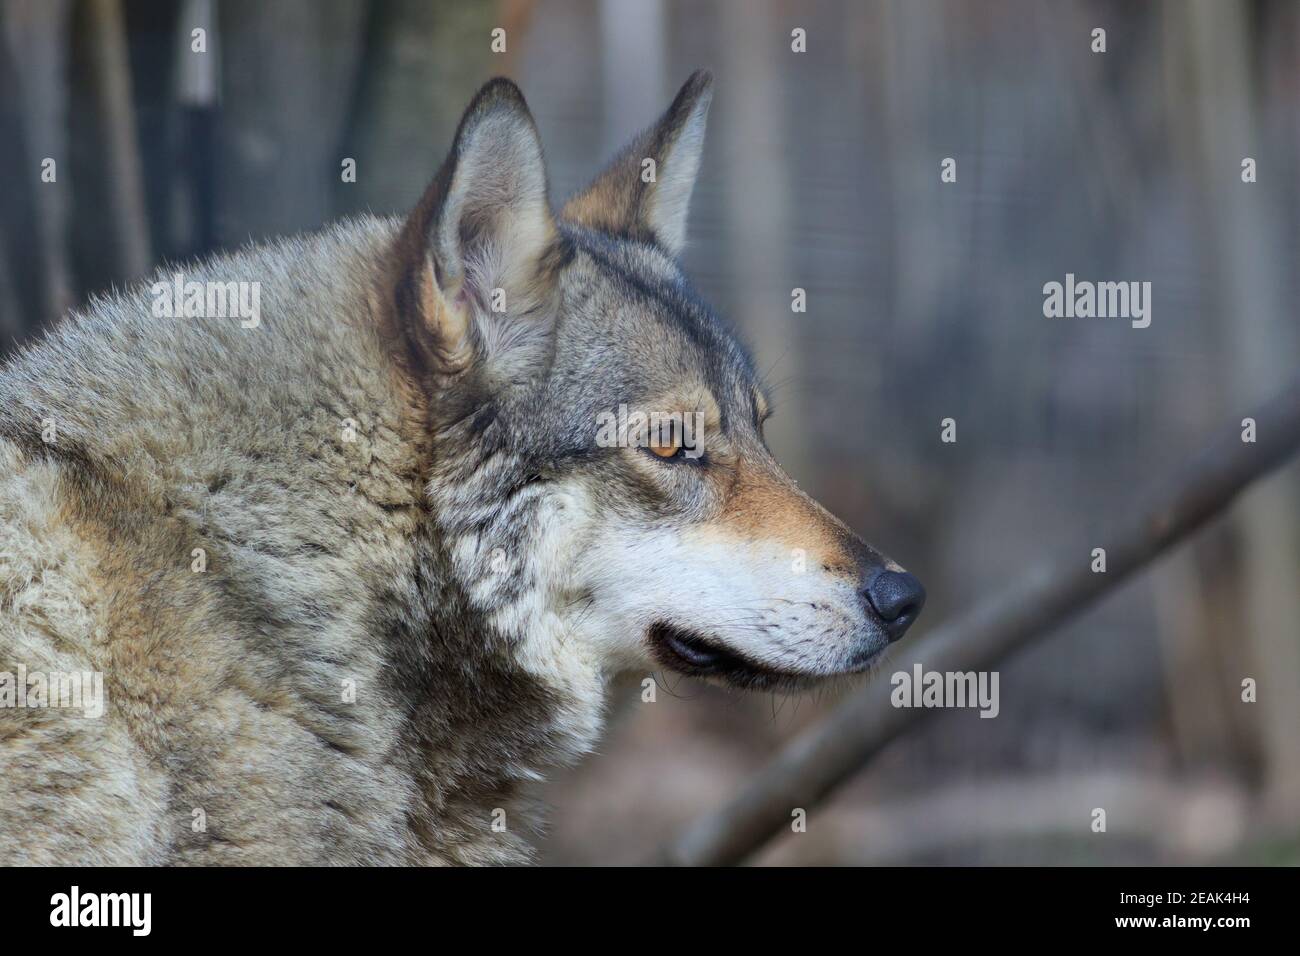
(502, 692)
(502, 535)
(491, 707)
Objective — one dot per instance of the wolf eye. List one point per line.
(668, 454)
(667, 444)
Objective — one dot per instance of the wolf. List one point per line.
(358, 575)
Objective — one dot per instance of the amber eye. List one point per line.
(667, 443)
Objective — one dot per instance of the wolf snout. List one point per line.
(897, 598)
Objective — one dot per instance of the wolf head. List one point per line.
(599, 477)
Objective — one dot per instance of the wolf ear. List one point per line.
(482, 239)
(645, 192)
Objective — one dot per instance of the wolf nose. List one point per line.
(897, 597)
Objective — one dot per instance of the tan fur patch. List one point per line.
(622, 202)
(763, 505)
(611, 204)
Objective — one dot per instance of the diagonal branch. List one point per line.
(818, 761)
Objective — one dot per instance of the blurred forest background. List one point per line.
(821, 171)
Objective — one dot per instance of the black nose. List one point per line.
(897, 597)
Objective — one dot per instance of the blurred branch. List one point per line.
(422, 63)
(634, 57)
(1241, 253)
(285, 71)
(105, 50)
(33, 105)
(757, 144)
(1194, 675)
(815, 763)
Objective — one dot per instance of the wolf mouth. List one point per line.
(689, 652)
